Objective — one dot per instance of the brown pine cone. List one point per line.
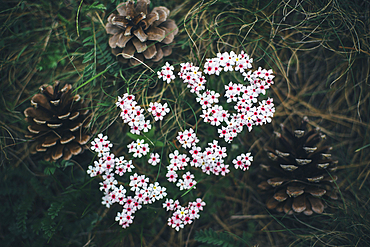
(58, 122)
(139, 34)
(298, 176)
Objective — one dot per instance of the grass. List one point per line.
(319, 52)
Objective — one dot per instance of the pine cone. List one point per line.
(139, 34)
(297, 178)
(58, 122)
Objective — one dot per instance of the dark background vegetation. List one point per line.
(319, 51)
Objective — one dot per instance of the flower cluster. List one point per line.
(133, 114)
(248, 111)
(187, 138)
(243, 161)
(101, 145)
(107, 166)
(245, 96)
(183, 215)
(228, 62)
(166, 74)
(139, 148)
(211, 160)
(158, 110)
(191, 75)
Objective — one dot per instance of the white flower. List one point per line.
(154, 159)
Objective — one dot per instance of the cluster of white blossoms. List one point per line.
(114, 192)
(138, 148)
(187, 138)
(158, 110)
(191, 75)
(166, 74)
(211, 160)
(243, 161)
(178, 162)
(132, 114)
(248, 112)
(183, 215)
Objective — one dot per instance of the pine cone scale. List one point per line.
(138, 19)
(150, 19)
(67, 139)
(58, 152)
(316, 204)
(64, 116)
(50, 141)
(40, 148)
(159, 54)
(150, 52)
(315, 191)
(280, 196)
(139, 46)
(295, 190)
(39, 100)
(112, 29)
(156, 34)
(121, 8)
(74, 116)
(140, 34)
(36, 129)
(128, 51)
(130, 9)
(142, 6)
(167, 50)
(299, 204)
(122, 40)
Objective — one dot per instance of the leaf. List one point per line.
(88, 56)
(94, 6)
(358, 150)
(54, 209)
(87, 39)
(66, 163)
(22, 212)
(49, 170)
(104, 104)
(89, 67)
